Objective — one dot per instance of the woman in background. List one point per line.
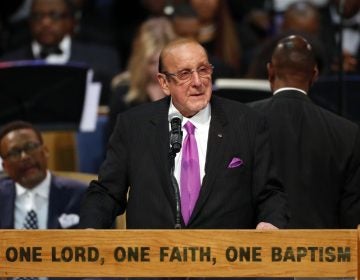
(218, 33)
(138, 84)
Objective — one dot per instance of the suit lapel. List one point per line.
(29, 53)
(160, 146)
(55, 201)
(215, 152)
(8, 206)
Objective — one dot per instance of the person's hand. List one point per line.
(263, 225)
(349, 63)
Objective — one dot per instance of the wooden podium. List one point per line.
(179, 253)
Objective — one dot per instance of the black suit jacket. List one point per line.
(230, 197)
(102, 59)
(318, 154)
(64, 198)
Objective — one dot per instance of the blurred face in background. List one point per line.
(50, 21)
(153, 66)
(206, 9)
(187, 27)
(302, 17)
(351, 7)
(24, 157)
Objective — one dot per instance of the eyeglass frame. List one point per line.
(29, 148)
(191, 71)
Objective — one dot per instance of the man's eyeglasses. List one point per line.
(54, 16)
(204, 71)
(29, 148)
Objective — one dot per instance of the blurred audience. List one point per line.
(301, 18)
(345, 18)
(131, 14)
(29, 189)
(52, 24)
(138, 84)
(186, 24)
(185, 21)
(254, 30)
(304, 18)
(218, 33)
(14, 24)
(96, 21)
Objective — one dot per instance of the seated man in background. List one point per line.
(52, 25)
(31, 197)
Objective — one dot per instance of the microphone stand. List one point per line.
(341, 95)
(175, 147)
(174, 183)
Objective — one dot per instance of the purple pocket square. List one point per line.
(235, 162)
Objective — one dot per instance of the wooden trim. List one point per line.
(80, 176)
(180, 253)
(358, 260)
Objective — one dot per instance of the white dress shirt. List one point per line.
(36, 199)
(289, 88)
(65, 46)
(201, 121)
(351, 37)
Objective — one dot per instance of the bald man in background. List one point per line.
(318, 152)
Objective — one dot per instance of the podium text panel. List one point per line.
(180, 253)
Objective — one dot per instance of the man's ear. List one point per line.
(315, 75)
(163, 83)
(271, 72)
(4, 166)
(46, 152)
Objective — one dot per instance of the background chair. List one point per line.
(242, 90)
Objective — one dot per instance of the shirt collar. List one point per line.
(199, 119)
(41, 189)
(64, 45)
(289, 88)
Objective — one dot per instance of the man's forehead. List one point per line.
(174, 48)
(22, 133)
(49, 4)
(184, 53)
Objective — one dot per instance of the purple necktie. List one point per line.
(190, 173)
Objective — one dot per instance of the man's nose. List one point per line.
(195, 78)
(23, 154)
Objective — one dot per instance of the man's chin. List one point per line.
(32, 178)
(198, 105)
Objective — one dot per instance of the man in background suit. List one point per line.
(239, 188)
(52, 25)
(317, 151)
(30, 186)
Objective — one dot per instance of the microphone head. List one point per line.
(176, 133)
(175, 115)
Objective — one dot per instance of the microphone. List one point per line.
(176, 133)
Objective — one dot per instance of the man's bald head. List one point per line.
(172, 45)
(293, 63)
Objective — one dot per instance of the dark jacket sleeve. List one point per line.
(106, 197)
(270, 197)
